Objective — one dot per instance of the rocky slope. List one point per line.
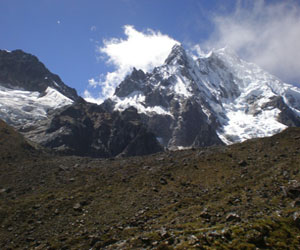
(86, 129)
(213, 99)
(13, 146)
(243, 196)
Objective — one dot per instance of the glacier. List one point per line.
(238, 98)
(22, 108)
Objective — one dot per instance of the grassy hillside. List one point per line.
(245, 196)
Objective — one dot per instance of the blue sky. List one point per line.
(67, 35)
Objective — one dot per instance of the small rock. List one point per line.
(296, 203)
(233, 217)
(37, 206)
(77, 207)
(163, 181)
(30, 239)
(284, 191)
(41, 247)
(163, 233)
(154, 243)
(5, 190)
(201, 153)
(193, 240)
(296, 218)
(205, 215)
(72, 179)
(146, 240)
(94, 240)
(62, 168)
(243, 163)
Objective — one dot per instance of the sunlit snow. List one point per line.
(19, 107)
(259, 86)
(235, 91)
(137, 99)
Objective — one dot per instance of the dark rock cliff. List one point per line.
(20, 70)
(86, 129)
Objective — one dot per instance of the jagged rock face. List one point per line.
(132, 83)
(193, 129)
(20, 70)
(88, 130)
(286, 116)
(214, 99)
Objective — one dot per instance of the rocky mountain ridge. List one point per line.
(46, 111)
(210, 100)
(23, 71)
(214, 99)
(86, 129)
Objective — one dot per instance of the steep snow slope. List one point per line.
(23, 108)
(249, 114)
(236, 99)
(28, 90)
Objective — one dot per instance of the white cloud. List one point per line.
(92, 82)
(142, 50)
(90, 98)
(264, 33)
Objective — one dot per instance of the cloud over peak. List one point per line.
(142, 50)
(265, 33)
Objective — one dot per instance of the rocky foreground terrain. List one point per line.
(243, 196)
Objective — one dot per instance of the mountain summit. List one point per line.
(45, 110)
(20, 70)
(28, 90)
(214, 99)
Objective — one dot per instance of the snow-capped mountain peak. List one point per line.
(28, 90)
(178, 56)
(231, 99)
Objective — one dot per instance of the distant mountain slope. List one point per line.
(13, 146)
(214, 99)
(23, 71)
